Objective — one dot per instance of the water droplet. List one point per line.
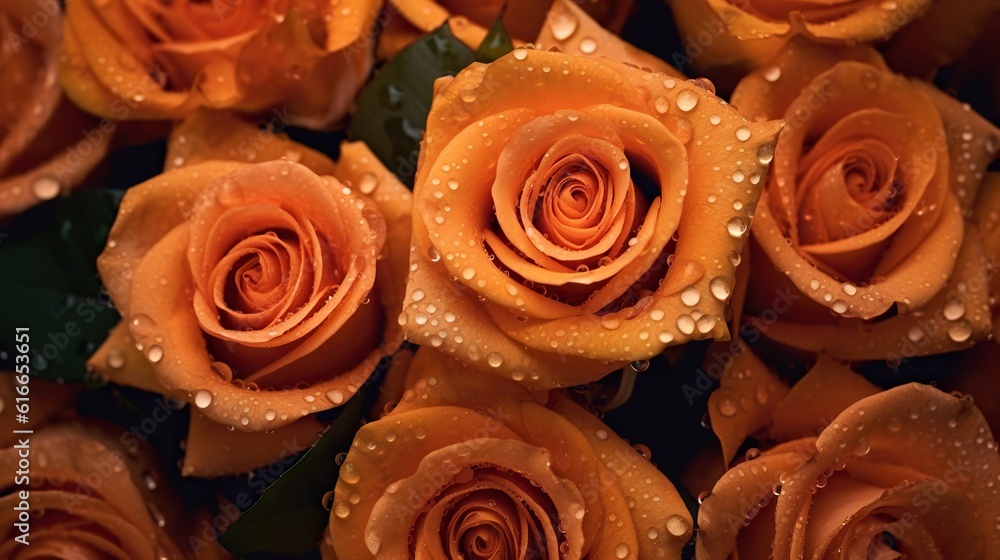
(839, 306)
(704, 496)
(737, 227)
(469, 273)
(223, 370)
(687, 100)
(954, 308)
(760, 393)
(639, 365)
(155, 353)
(367, 183)
(961, 331)
(45, 188)
(743, 133)
(621, 551)
(203, 398)
(849, 289)
(652, 533)
(677, 525)
(772, 74)
(588, 45)
(116, 359)
(727, 407)
(520, 53)
(336, 396)
(563, 26)
(719, 287)
(349, 473)
(715, 119)
(270, 415)
(765, 153)
(690, 296)
(661, 105)
(341, 509)
(494, 359)
(685, 323)
(142, 325)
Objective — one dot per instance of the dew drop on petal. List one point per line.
(677, 525)
(494, 359)
(45, 188)
(736, 227)
(687, 100)
(765, 153)
(155, 353)
(203, 398)
(727, 407)
(719, 287)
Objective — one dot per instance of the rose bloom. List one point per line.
(474, 466)
(723, 39)
(865, 243)
(408, 20)
(573, 214)
(260, 293)
(47, 146)
(161, 60)
(854, 472)
(88, 497)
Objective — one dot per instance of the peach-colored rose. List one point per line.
(474, 466)
(858, 473)
(408, 20)
(575, 214)
(863, 230)
(724, 39)
(87, 497)
(147, 59)
(260, 293)
(47, 146)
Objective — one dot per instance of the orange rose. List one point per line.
(944, 34)
(47, 146)
(909, 472)
(468, 466)
(408, 20)
(862, 231)
(726, 38)
(88, 497)
(574, 214)
(161, 60)
(261, 293)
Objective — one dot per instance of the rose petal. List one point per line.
(570, 29)
(827, 389)
(886, 423)
(215, 135)
(242, 451)
(745, 400)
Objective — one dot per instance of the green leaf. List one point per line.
(393, 107)
(289, 518)
(49, 283)
(497, 41)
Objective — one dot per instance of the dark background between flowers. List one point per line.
(60, 240)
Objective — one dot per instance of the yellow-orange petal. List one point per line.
(745, 401)
(216, 135)
(212, 450)
(570, 29)
(899, 426)
(958, 315)
(827, 389)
